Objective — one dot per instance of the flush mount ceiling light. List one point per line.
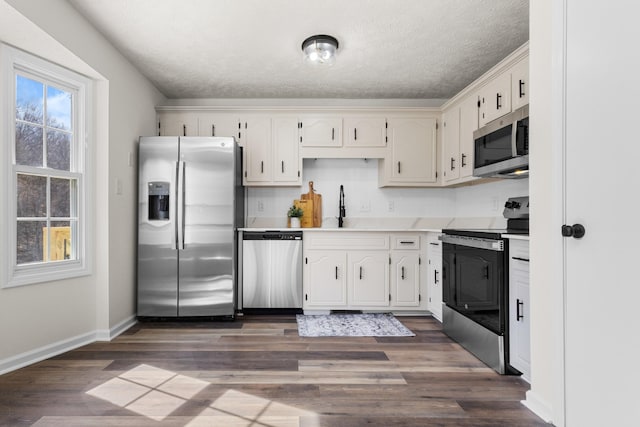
(320, 50)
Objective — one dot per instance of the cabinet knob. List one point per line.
(577, 231)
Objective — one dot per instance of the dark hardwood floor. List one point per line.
(256, 371)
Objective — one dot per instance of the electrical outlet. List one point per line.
(130, 159)
(495, 204)
(365, 206)
(392, 206)
(260, 206)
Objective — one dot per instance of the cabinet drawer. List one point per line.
(405, 242)
(340, 240)
(518, 249)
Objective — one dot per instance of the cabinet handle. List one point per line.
(452, 163)
(519, 259)
(398, 168)
(434, 243)
(519, 303)
(333, 133)
(184, 130)
(213, 130)
(261, 166)
(486, 272)
(402, 272)
(355, 134)
(360, 272)
(336, 272)
(498, 99)
(406, 242)
(282, 166)
(521, 87)
(435, 276)
(464, 157)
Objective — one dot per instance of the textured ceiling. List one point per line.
(423, 49)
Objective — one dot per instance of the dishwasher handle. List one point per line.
(272, 235)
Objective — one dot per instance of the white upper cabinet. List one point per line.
(214, 124)
(520, 84)
(365, 131)
(451, 144)
(468, 125)
(255, 137)
(459, 122)
(411, 157)
(178, 124)
(495, 98)
(287, 164)
(270, 154)
(321, 131)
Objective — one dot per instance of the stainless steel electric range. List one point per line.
(475, 286)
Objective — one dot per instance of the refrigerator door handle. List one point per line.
(180, 207)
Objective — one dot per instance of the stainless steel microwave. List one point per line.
(501, 147)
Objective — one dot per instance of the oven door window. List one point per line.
(477, 280)
(494, 147)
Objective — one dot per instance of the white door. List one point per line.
(602, 152)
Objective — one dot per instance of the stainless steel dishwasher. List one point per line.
(272, 269)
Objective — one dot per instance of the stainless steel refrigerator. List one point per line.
(190, 203)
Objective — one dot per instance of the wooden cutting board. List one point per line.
(306, 220)
(317, 204)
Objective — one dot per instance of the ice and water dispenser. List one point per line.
(158, 201)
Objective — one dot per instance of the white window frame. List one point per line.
(15, 61)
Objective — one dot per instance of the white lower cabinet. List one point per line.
(519, 312)
(434, 275)
(362, 271)
(369, 278)
(405, 278)
(325, 279)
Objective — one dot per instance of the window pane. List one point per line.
(58, 150)
(29, 100)
(30, 241)
(28, 145)
(60, 241)
(58, 108)
(63, 192)
(32, 196)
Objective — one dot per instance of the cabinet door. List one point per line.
(451, 144)
(405, 278)
(178, 124)
(519, 313)
(287, 164)
(218, 125)
(434, 278)
(495, 98)
(321, 132)
(256, 140)
(325, 279)
(412, 156)
(365, 131)
(520, 84)
(369, 278)
(468, 125)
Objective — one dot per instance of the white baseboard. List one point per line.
(538, 406)
(108, 335)
(45, 352)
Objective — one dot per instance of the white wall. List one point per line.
(47, 317)
(364, 199)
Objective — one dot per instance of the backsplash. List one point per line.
(363, 198)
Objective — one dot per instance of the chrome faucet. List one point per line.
(341, 209)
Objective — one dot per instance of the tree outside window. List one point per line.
(46, 176)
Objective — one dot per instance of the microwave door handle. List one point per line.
(514, 142)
